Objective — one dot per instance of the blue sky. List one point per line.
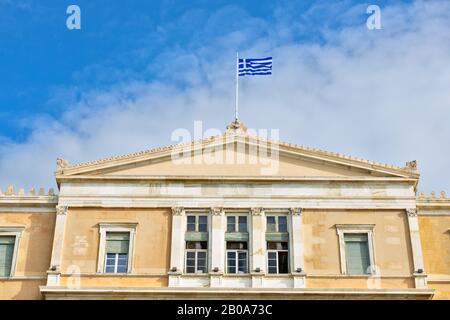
(138, 70)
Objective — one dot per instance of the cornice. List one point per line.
(168, 178)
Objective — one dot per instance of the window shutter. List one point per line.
(117, 242)
(357, 253)
(6, 255)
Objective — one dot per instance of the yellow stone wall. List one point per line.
(435, 239)
(391, 245)
(151, 251)
(34, 253)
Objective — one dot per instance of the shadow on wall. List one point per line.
(36, 245)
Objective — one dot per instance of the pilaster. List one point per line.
(54, 273)
(177, 247)
(217, 246)
(297, 248)
(419, 274)
(258, 246)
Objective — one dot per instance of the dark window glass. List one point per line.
(242, 224)
(282, 262)
(242, 262)
(272, 262)
(196, 245)
(271, 224)
(190, 223)
(202, 223)
(121, 269)
(231, 262)
(234, 245)
(201, 261)
(231, 224)
(282, 224)
(271, 245)
(119, 259)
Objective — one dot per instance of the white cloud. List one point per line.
(382, 95)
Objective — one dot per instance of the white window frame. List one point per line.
(197, 215)
(237, 251)
(276, 251)
(17, 233)
(236, 223)
(368, 229)
(196, 251)
(277, 225)
(115, 227)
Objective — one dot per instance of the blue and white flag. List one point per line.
(255, 67)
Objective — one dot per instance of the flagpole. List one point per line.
(236, 107)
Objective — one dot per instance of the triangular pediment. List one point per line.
(234, 155)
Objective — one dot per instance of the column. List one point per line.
(54, 273)
(216, 246)
(258, 247)
(177, 246)
(297, 248)
(420, 277)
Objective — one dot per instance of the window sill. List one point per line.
(16, 278)
(104, 274)
(277, 275)
(362, 276)
(237, 275)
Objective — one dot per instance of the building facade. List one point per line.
(234, 216)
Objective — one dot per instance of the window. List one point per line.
(357, 253)
(356, 249)
(237, 223)
(277, 257)
(9, 245)
(237, 253)
(6, 254)
(197, 223)
(196, 256)
(117, 245)
(276, 224)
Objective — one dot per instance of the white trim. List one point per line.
(342, 229)
(27, 209)
(434, 212)
(17, 233)
(232, 293)
(115, 227)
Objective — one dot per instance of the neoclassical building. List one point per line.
(234, 216)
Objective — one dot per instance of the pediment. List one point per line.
(234, 156)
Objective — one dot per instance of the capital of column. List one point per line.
(296, 211)
(217, 211)
(62, 210)
(177, 211)
(411, 212)
(257, 211)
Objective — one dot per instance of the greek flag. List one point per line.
(255, 67)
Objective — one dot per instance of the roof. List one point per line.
(237, 132)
